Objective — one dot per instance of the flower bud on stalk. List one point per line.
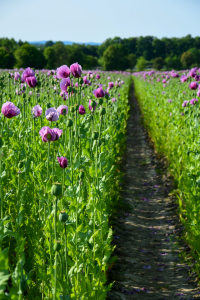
(69, 123)
(95, 135)
(23, 285)
(56, 190)
(63, 217)
(82, 174)
(100, 101)
(102, 111)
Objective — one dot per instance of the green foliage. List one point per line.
(187, 59)
(50, 56)
(141, 64)
(6, 59)
(29, 55)
(114, 58)
(175, 131)
(158, 63)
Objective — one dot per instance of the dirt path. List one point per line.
(146, 228)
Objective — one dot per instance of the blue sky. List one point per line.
(94, 21)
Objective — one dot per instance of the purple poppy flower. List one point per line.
(192, 102)
(50, 72)
(164, 81)
(192, 73)
(108, 78)
(64, 84)
(81, 110)
(37, 111)
(62, 162)
(64, 95)
(16, 76)
(99, 93)
(28, 72)
(61, 109)
(52, 114)
(57, 132)
(76, 70)
(76, 84)
(98, 76)
(90, 107)
(9, 110)
(114, 100)
(110, 85)
(193, 85)
(47, 134)
(169, 100)
(31, 81)
(158, 79)
(63, 72)
(198, 93)
(184, 78)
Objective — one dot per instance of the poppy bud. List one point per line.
(23, 285)
(81, 81)
(69, 123)
(95, 135)
(93, 103)
(56, 190)
(48, 105)
(57, 246)
(72, 109)
(63, 217)
(102, 111)
(100, 101)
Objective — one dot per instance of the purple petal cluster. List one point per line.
(9, 110)
(62, 162)
(52, 114)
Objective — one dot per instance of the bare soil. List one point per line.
(146, 227)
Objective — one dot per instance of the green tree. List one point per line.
(173, 62)
(187, 59)
(158, 63)
(132, 59)
(48, 44)
(50, 56)
(7, 59)
(114, 58)
(29, 56)
(61, 54)
(141, 64)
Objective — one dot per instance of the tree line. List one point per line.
(112, 54)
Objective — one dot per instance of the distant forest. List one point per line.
(113, 54)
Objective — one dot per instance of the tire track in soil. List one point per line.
(148, 265)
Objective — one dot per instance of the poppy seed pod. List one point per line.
(23, 285)
(102, 111)
(69, 123)
(63, 217)
(95, 135)
(93, 103)
(72, 109)
(56, 189)
(100, 101)
(57, 246)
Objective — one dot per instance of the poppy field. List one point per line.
(62, 136)
(170, 106)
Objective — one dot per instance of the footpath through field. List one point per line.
(147, 227)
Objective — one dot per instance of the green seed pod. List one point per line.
(102, 111)
(24, 96)
(23, 285)
(56, 189)
(63, 217)
(48, 105)
(100, 101)
(81, 81)
(95, 135)
(72, 109)
(20, 164)
(69, 123)
(57, 246)
(9, 76)
(93, 103)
